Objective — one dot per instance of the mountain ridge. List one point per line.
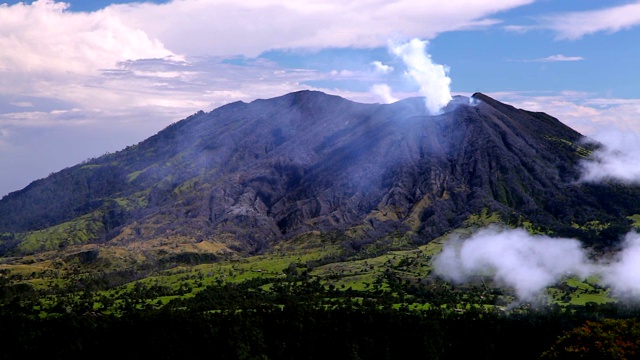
(246, 175)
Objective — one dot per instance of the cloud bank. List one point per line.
(530, 263)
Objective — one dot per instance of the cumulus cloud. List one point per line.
(44, 38)
(432, 78)
(381, 68)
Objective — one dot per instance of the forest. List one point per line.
(296, 316)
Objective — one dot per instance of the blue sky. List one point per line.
(81, 78)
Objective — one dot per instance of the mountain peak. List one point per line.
(250, 174)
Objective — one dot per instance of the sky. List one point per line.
(80, 78)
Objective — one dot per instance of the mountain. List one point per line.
(308, 165)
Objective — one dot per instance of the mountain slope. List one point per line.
(246, 175)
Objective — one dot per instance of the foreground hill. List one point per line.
(308, 165)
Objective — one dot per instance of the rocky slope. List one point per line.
(249, 174)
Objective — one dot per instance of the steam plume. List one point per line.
(433, 79)
(384, 92)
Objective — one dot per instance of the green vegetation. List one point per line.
(78, 231)
(580, 150)
(298, 300)
(636, 220)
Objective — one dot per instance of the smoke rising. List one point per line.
(383, 91)
(433, 79)
(530, 263)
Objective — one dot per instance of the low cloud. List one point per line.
(623, 274)
(618, 159)
(530, 263)
(513, 258)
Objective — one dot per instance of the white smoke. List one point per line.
(530, 263)
(383, 91)
(433, 79)
(618, 159)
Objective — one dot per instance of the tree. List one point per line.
(606, 339)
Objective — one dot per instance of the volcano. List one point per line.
(246, 176)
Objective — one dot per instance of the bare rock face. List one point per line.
(255, 173)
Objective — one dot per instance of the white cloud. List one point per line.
(586, 112)
(44, 38)
(623, 274)
(559, 58)
(381, 68)
(618, 159)
(514, 258)
(383, 91)
(574, 25)
(578, 24)
(344, 73)
(21, 104)
(530, 263)
(85, 58)
(214, 27)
